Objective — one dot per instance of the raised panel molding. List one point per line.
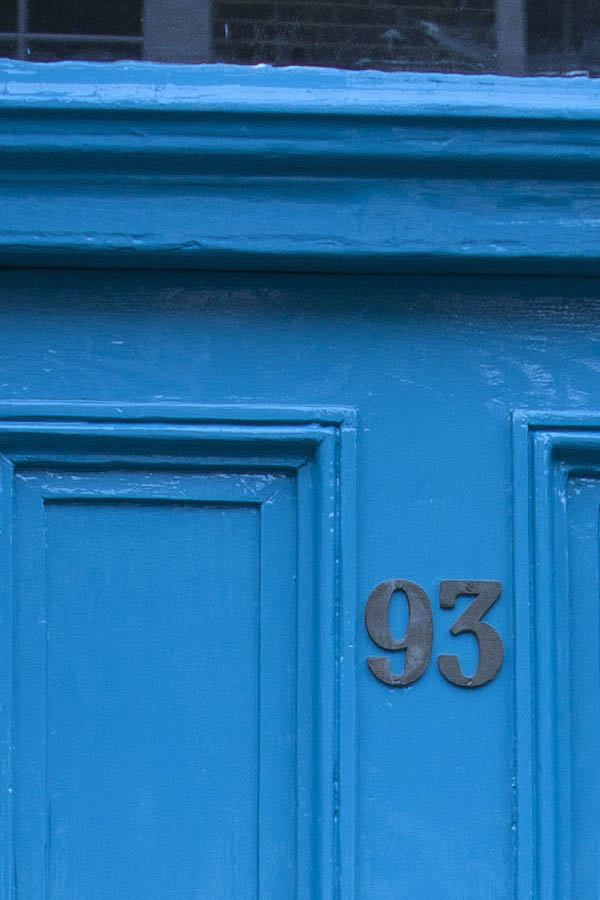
(53, 456)
(557, 646)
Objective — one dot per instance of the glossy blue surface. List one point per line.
(181, 638)
(455, 795)
(280, 169)
(556, 617)
(205, 473)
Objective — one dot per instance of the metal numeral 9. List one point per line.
(418, 640)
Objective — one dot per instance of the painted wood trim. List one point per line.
(294, 89)
(217, 167)
(320, 447)
(547, 448)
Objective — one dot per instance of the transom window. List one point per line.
(506, 36)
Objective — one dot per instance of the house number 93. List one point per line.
(418, 639)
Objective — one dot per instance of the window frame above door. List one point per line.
(232, 167)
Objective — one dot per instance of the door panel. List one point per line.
(557, 546)
(142, 768)
(175, 596)
(140, 650)
(583, 622)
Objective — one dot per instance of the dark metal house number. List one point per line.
(418, 639)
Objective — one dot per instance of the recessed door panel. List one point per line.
(152, 740)
(582, 619)
(557, 554)
(140, 652)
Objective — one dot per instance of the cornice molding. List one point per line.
(314, 169)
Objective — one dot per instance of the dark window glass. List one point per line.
(8, 16)
(85, 17)
(563, 36)
(473, 36)
(359, 34)
(101, 51)
(8, 48)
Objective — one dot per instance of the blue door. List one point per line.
(301, 583)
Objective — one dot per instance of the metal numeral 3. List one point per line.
(491, 651)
